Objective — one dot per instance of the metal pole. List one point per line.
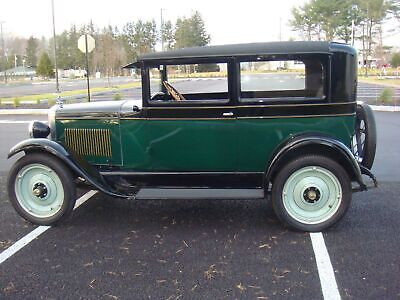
(4, 52)
(55, 49)
(87, 68)
(162, 35)
(364, 56)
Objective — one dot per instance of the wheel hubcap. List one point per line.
(39, 190)
(312, 195)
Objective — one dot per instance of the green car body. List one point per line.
(210, 145)
(231, 139)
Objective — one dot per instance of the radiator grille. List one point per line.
(89, 142)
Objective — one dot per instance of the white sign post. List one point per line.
(86, 44)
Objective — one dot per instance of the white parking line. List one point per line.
(21, 243)
(326, 274)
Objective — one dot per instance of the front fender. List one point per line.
(39, 144)
(310, 144)
(78, 165)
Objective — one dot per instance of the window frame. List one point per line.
(231, 82)
(325, 61)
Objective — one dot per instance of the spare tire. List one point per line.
(364, 139)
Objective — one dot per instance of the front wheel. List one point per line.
(41, 189)
(311, 193)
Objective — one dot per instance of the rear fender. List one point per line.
(318, 145)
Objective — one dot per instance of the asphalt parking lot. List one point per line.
(203, 249)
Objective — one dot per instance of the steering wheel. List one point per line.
(173, 92)
(158, 96)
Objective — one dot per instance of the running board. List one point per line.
(198, 193)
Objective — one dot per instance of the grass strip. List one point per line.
(53, 96)
(381, 81)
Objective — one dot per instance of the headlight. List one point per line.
(52, 121)
(38, 130)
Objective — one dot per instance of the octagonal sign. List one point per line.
(90, 43)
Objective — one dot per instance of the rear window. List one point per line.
(265, 80)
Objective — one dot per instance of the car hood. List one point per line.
(97, 109)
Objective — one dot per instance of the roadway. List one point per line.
(18, 89)
(366, 92)
(203, 249)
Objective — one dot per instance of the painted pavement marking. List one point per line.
(21, 243)
(326, 274)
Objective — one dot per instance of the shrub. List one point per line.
(386, 96)
(51, 101)
(395, 61)
(16, 102)
(117, 97)
(44, 67)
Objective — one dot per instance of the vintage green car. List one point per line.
(274, 120)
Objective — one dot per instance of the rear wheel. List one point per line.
(41, 189)
(364, 139)
(311, 193)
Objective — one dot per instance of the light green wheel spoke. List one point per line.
(312, 195)
(39, 190)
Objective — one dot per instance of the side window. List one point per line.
(155, 81)
(266, 80)
(195, 83)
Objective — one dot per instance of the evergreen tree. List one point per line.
(140, 37)
(31, 51)
(395, 61)
(45, 67)
(329, 20)
(167, 34)
(191, 32)
(199, 35)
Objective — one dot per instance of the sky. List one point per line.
(227, 21)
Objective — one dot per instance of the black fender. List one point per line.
(77, 165)
(310, 144)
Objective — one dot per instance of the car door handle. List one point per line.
(227, 114)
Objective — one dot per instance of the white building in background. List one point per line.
(20, 72)
(73, 73)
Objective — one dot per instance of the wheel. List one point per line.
(311, 193)
(364, 139)
(41, 189)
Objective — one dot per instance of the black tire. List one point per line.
(364, 141)
(314, 167)
(57, 169)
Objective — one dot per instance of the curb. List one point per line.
(385, 108)
(23, 111)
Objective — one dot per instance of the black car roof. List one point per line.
(269, 48)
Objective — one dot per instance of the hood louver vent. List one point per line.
(89, 142)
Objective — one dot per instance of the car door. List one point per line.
(193, 134)
(193, 138)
